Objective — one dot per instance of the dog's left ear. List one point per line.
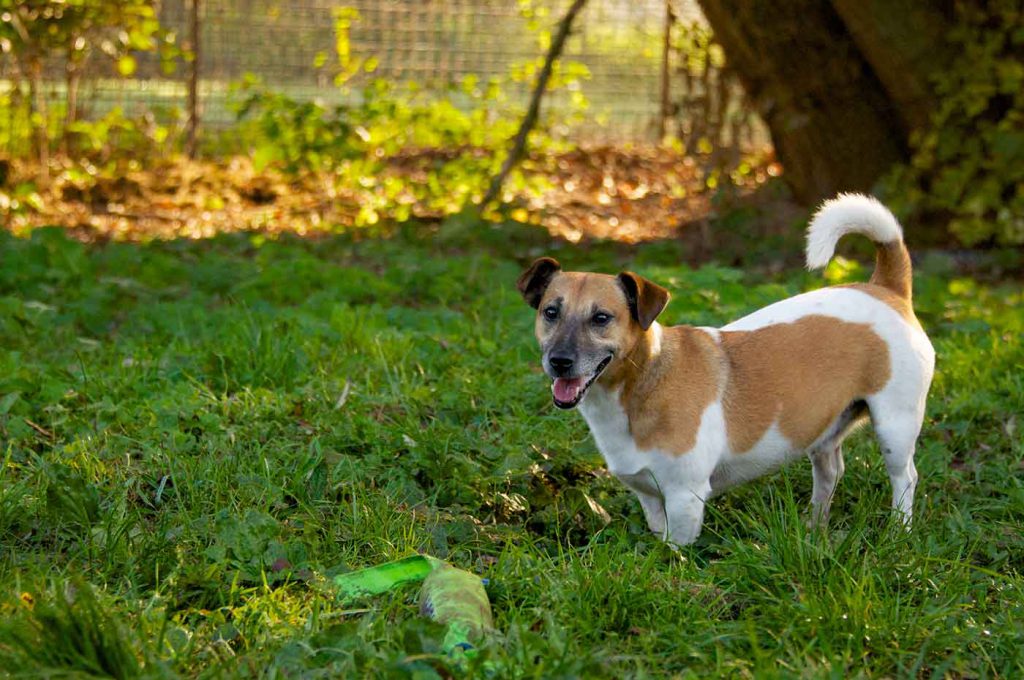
(534, 281)
(646, 299)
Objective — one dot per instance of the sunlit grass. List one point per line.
(197, 435)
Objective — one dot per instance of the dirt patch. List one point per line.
(627, 194)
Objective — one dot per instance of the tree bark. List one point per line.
(903, 42)
(530, 119)
(832, 122)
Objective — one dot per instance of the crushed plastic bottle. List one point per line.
(457, 599)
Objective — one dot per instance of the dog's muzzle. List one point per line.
(567, 392)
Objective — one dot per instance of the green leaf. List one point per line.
(265, 155)
(1008, 146)
(8, 401)
(126, 65)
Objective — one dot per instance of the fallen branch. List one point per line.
(530, 119)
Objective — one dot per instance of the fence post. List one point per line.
(191, 145)
(666, 95)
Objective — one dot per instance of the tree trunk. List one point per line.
(832, 122)
(903, 42)
(686, 122)
(16, 108)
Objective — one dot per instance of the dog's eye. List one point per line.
(551, 313)
(601, 319)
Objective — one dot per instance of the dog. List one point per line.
(682, 413)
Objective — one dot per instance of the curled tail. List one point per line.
(859, 214)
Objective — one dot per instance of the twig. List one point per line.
(530, 119)
(39, 428)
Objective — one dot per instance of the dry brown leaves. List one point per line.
(628, 194)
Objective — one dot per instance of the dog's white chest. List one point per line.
(654, 471)
(610, 426)
(643, 470)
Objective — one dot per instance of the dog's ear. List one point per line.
(534, 281)
(646, 299)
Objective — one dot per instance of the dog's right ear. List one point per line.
(534, 281)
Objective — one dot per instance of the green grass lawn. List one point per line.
(196, 435)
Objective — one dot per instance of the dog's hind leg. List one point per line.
(898, 440)
(827, 468)
(897, 428)
(827, 460)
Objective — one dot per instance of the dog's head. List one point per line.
(587, 323)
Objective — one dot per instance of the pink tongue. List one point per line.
(566, 389)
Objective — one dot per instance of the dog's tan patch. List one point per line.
(665, 395)
(892, 269)
(800, 375)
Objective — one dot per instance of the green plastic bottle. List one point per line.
(450, 596)
(384, 578)
(457, 599)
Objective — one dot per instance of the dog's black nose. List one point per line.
(561, 365)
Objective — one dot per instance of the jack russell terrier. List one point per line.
(682, 413)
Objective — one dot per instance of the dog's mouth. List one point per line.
(567, 392)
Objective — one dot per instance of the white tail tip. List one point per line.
(848, 214)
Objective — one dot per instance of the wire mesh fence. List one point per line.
(307, 47)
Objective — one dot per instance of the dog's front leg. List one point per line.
(654, 511)
(684, 510)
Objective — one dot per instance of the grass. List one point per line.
(195, 435)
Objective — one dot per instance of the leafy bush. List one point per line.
(970, 163)
(296, 134)
(105, 138)
(446, 147)
(38, 33)
(400, 143)
(383, 120)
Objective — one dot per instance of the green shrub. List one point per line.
(970, 163)
(37, 34)
(395, 145)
